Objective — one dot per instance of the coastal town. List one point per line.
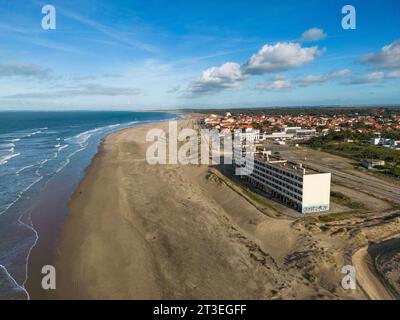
(378, 127)
(282, 142)
(335, 170)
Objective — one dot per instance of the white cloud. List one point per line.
(215, 79)
(313, 34)
(174, 89)
(314, 79)
(86, 90)
(23, 70)
(280, 57)
(274, 85)
(340, 74)
(269, 59)
(372, 77)
(393, 74)
(388, 57)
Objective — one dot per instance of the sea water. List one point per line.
(36, 147)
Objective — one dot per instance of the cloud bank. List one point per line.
(86, 90)
(374, 77)
(216, 79)
(274, 85)
(388, 57)
(317, 79)
(279, 57)
(23, 70)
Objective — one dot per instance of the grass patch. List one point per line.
(311, 277)
(336, 216)
(344, 200)
(360, 151)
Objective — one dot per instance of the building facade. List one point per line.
(371, 163)
(303, 189)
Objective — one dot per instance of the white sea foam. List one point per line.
(5, 159)
(133, 122)
(63, 147)
(30, 227)
(113, 125)
(59, 148)
(41, 163)
(11, 150)
(7, 145)
(33, 133)
(24, 168)
(82, 137)
(14, 281)
(68, 159)
(20, 194)
(38, 130)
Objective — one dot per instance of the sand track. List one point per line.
(367, 276)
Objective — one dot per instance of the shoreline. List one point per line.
(45, 207)
(92, 170)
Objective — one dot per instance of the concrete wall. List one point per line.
(316, 192)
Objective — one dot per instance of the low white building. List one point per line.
(371, 163)
(386, 142)
(290, 133)
(276, 135)
(375, 141)
(306, 133)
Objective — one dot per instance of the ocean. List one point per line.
(43, 156)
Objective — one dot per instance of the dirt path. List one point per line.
(367, 277)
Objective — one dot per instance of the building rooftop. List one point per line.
(288, 165)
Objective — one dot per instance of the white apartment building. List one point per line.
(303, 189)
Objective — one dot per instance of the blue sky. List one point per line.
(135, 55)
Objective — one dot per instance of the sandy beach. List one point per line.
(140, 231)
